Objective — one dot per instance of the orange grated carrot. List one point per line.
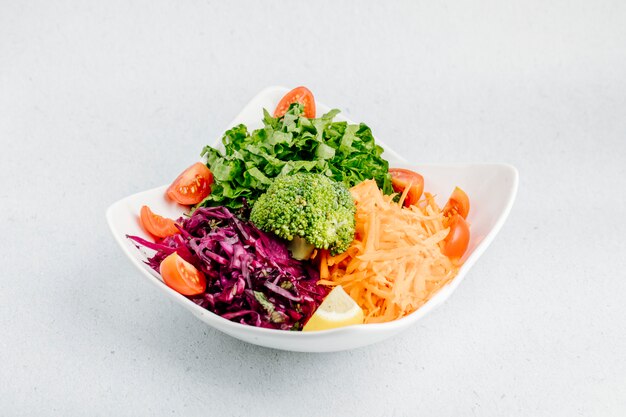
(395, 264)
(324, 273)
(404, 194)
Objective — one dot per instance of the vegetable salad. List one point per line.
(290, 211)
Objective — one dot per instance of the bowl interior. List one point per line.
(491, 188)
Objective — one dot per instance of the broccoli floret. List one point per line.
(310, 206)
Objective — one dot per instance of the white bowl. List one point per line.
(491, 187)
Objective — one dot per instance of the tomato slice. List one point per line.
(192, 186)
(458, 203)
(402, 178)
(300, 95)
(156, 225)
(182, 276)
(455, 244)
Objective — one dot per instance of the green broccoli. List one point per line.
(309, 210)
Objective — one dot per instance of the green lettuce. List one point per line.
(287, 145)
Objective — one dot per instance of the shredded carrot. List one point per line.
(324, 273)
(395, 264)
(404, 194)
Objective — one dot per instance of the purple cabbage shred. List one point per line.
(251, 277)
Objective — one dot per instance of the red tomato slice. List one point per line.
(455, 244)
(300, 95)
(192, 186)
(157, 226)
(182, 276)
(402, 178)
(457, 204)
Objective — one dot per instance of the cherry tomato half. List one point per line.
(455, 244)
(192, 186)
(157, 226)
(458, 203)
(402, 178)
(182, 276)
(300, 95)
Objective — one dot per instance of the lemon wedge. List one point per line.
(337, 310)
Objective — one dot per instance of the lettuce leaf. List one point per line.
(287, 145)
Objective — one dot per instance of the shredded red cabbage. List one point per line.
(251, 277)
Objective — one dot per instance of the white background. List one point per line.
(99, 100)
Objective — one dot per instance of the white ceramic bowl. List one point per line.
(491, 187)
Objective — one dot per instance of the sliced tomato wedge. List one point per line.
(192, 186)
(300, 95)
(457, 240)
(182, 276)
(458, 203)
(157, 226)
(402, 178)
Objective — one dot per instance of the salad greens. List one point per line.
(287, 145)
